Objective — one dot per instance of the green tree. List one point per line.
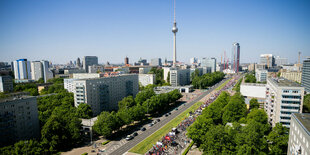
(278, 139)
(250, 78)
(144, 95)
(258, 115)
(235, 109)
(107, 123)
(84, 111)
(306, 105)
(126, 102)
(254, 103)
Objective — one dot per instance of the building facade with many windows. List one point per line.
(305, 79)
(283, 97)
(179, 77)
(105, 93)
(19, 119)
(299, 137)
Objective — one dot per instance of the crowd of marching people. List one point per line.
(174, 141)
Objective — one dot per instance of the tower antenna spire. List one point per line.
(174, 30)
(174, 11)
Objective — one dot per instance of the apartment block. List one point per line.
(19, 119)
(105, 93)
(261, 75)
(179, 77)
(299, 137)
(283, 97)
(146, 79)
(6, 84)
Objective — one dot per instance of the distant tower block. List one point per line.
(174, 30)
(126, 60)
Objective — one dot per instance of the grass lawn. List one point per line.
(147, 143)
(222, 85)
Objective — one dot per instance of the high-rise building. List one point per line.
(89, 61)
(105, 93)
(22, 69)
(6, 84)
(280, 61)
(267, 59)
(146, 79)
(179, 77)
(19, 119)
(78, 62)
(193, 60)
(283, 97)
(305, 78)
(156, 62)
(95, 69)
(209, 64)
(126, 61)
(40, 69)
(261, 75)
(299, 137)
(235, 57)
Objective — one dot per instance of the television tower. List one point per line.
(174, 30)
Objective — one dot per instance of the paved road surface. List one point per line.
(126, 147)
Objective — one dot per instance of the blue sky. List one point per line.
(62, 30)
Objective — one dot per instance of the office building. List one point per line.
(209, 64)
(19, 119)
(22, 69)
(193, 60)
(179, 77)
(87, 75)
(74, 70)
(141, 62)
(235, 60)
(146, 79)
(293, 76)
(105, 93)
(305, 78)
(126, 61)
(95, 69)
(280, 61)
(78, 63)
(283, 97)
(6, 84)
(267, 59)
(89, 61)
(156, 62)
(144, 70)
(261, 75)
(299, 137)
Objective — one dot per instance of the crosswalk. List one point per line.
(114, 146)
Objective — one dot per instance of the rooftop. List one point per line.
(304, 120)
(282, 82)
(12, 98)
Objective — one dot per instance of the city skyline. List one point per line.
(39, 30)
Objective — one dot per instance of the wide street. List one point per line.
(127, 146)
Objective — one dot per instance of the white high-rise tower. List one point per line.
(174, 30)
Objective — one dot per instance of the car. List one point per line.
(166, 115)
(158, 120)
(143, 129)
(129, 137)
(154, 122)
(135, 134)
(93, 150)
(151, 124)
(169, 113)
(176, 109)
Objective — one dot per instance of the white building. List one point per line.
(299, 138)
(179, 77)
(68, 85)
(19, 119)
(87, 75)
(253, 90)
(156, 62)
(105, 93)
(283, 97)
(40, 69)
(146, 79)
(261, 75)
(166, 72)
(6, 84)
(22, 69)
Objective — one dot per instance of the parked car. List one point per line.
(151, 124)
(143, 129)
(129, 137)
(166, 115)
(169, 113)
(158, 120)
(135, 134)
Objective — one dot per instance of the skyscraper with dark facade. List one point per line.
(305, 77)
(235, 57)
